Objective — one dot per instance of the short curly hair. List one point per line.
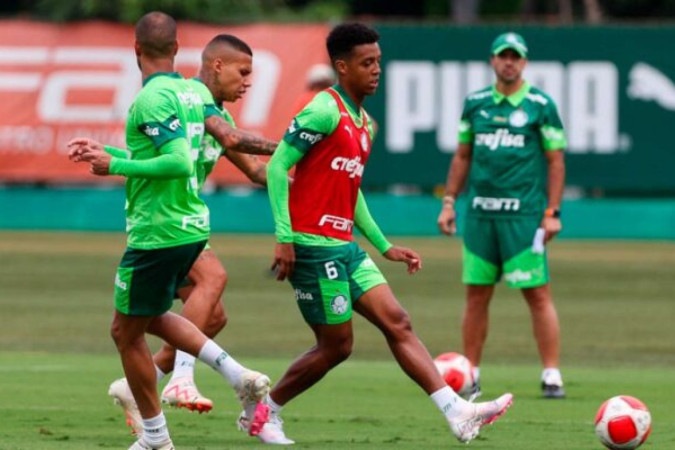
(343, 38)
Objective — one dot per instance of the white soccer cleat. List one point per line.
(252, 389)
(271, 432)
(141, 445)
(182, 393)
(467, 425)
(121, 394)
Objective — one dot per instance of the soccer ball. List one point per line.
(623, 423)
(457, 371)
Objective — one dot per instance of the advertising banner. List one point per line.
(58, 81)
(614, 87)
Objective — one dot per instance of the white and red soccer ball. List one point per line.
(457, 371)
(623, 423)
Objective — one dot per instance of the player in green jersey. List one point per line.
(511, 144)
(329, 142)
(224, 76)
(167, 227)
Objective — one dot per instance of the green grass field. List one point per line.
(615, 301)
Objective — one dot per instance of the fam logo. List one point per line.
(339, 304)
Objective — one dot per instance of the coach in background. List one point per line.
(511, 143)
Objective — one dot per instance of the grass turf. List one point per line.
(614, 299)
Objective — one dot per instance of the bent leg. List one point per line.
(202, 303)
(379, 306)
(333, 345)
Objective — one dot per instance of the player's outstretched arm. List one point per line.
(254, 169)
(173, 162)
(367, 226)
(238, 140)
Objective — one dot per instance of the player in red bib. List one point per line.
(329, 142)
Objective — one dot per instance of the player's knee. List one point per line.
(399, 326)
(214, 284)
(219, 280)
(338, 351)
(122, 340)
(217, 321)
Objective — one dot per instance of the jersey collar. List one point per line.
(350, 103)
(515, 99)
(159, 74)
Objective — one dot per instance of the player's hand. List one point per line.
(406, 255)
(446, 220)
(551, 226)
(284, 261)
(80, 146)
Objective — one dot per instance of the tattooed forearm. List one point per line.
(238, 140)
(245, 142)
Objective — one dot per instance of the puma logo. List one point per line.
(649, 84)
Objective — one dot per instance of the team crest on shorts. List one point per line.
(339, 304)
(518, 118)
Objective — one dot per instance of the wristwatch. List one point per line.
(552, 212)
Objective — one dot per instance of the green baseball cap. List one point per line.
(512, 41)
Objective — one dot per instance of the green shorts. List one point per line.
(496, 247)
(327, 280)
(186, 281)
(146, 280)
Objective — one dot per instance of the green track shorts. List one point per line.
(146, 280)
(327, 280)
(504, 247)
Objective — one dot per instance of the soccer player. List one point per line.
(224, 76)
(511, 143)
(167, 226)
(329, 142)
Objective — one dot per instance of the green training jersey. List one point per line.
(509, 136)
(164, 212)
(211, 149)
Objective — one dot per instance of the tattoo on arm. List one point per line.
(245, 142)
(238, 140)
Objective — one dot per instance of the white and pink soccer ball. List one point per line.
(457, 371)
(623, 423)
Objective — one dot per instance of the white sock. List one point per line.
(155, 431)
(159, 374)
(184, 365)
(476, 374)
(275, 408)
(551, 375)
(219, 360)
(450, 404)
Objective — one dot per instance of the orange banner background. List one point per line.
(61, 81)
